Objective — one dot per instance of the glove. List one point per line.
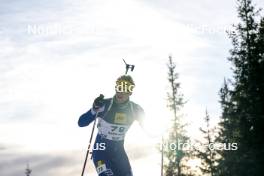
(98, 104)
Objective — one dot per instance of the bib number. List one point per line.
(117, 128)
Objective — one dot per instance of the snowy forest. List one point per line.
(240, 130)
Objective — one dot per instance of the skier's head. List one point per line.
(124, 88)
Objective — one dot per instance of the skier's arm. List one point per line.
(86, 118)
(140, 115)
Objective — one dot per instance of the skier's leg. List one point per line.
(102, 164)
(117, 165)
(121, 165)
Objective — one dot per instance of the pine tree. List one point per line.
(257, 95)
(175, 155)
(228, 132)
(242, 105)
(28, 170)
(204, 152)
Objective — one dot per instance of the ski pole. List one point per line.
(89, 145)
(162, 155)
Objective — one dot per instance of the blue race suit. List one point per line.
(108, 155)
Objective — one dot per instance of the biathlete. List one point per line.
(115, 116)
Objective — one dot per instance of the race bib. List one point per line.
(111, 131)
(100, 169)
